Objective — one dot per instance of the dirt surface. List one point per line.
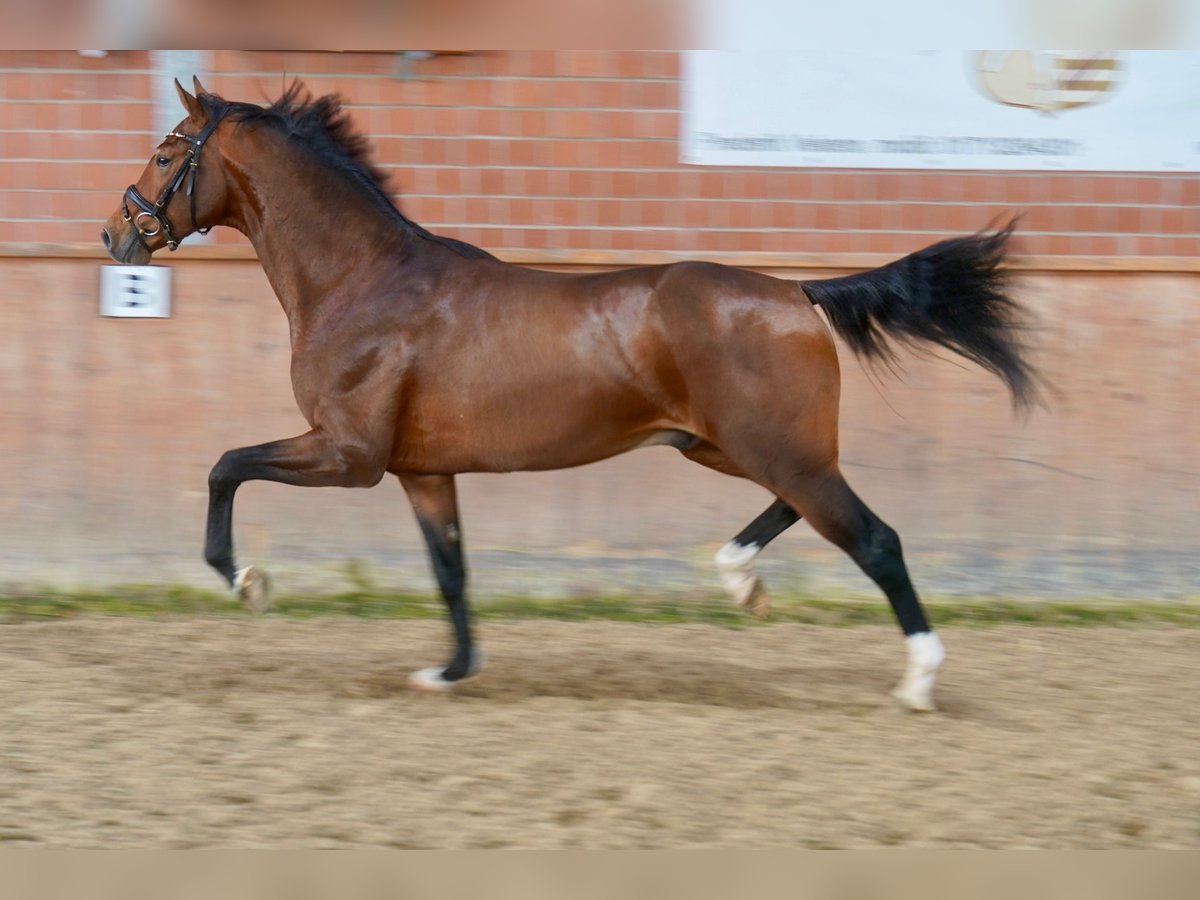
(284, 733)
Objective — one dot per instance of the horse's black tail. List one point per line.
(952, 293)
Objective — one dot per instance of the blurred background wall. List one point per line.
(545, 151)
(571, 160)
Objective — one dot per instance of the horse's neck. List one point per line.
(310, 235)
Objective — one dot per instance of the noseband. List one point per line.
(156, 212)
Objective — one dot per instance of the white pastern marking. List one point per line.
(430, 680)
(925, 656)
(735, 563)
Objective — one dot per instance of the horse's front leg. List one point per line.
(314, 459)
(435, 502)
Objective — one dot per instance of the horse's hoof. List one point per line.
(253, 587)
(914, 696)
(755, 600)
(433, 680)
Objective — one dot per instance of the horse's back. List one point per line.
(695, 327)
(593, 365)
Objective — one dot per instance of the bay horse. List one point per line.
(423, 356)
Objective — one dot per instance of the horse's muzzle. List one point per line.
(122, 244)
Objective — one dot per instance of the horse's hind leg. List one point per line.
(735, 561)
(836, 512)
(820, 494)
(435, 502)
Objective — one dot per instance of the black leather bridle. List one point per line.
(156, 212)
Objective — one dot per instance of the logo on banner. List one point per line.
(1048, 81)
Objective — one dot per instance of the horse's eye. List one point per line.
(162, 162)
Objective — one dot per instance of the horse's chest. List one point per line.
(351, 381)
(313, 381)
(306, 391)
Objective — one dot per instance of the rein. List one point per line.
(156, 212)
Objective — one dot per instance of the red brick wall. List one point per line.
(552, 150)
(108, 429)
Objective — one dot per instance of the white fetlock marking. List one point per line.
(239, 579)
(925, 651)
(735, 563)
(925, 656)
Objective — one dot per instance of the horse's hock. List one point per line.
(1094, 496)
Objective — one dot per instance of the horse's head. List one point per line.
(181, 190)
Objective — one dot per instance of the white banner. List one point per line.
(1128, 111)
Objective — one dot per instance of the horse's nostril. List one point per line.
(105, 237)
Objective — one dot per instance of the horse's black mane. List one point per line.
(323, 127)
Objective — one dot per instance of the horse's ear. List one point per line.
(197, 86)
(190, 103)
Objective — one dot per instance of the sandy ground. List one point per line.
(283, 733)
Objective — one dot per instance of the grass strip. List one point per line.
(157, 600)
